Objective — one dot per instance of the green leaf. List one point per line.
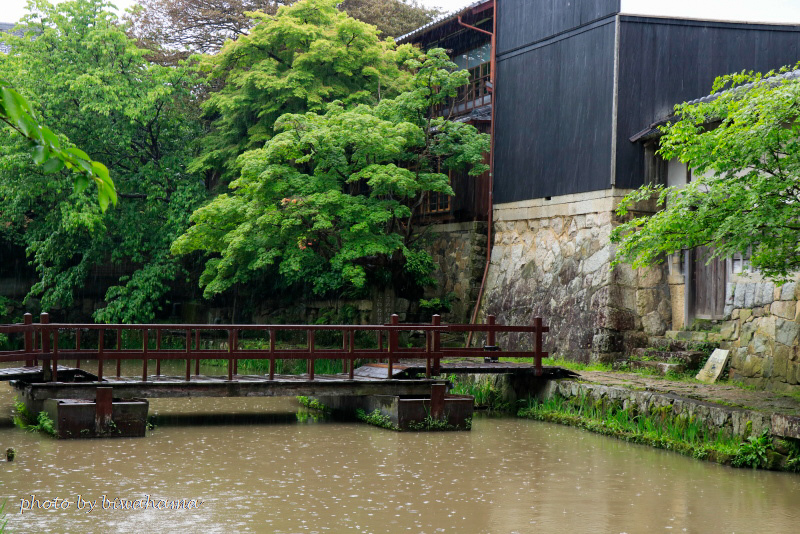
(80, 154)
(54, 164)
(81, 182)
(40, 154)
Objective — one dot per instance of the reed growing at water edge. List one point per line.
(662, 429)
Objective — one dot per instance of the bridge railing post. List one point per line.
(188, 354)
(351, 360)
(27, 319)
(158, 350)
(272, 354)
(395, 320)
(197, 352)
(101, 339)
(145, 351)
(311, 355)
(47, 372)
(78, 348)
(55, 356)
(230, 355)
(344, 350)
(235, 348)
(437, 346)
(119, 349)
(490, 335)
(428, 348)
(538, 353)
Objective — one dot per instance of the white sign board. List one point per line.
(714, 366)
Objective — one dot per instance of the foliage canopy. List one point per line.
(331, 199)
(94, 85)
(308, 55)
(744, 145)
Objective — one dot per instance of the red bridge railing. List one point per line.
(43, 343)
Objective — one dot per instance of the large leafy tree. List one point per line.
(744, 144)
(392, 17)
(330, 201)
(300, 60)
(93, 84)
(174, 28)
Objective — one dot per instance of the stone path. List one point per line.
(728, 395)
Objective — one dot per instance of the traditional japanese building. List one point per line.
(575, 82)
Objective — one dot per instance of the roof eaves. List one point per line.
(444, 19)
(654, 130)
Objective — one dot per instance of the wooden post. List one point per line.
(344, 349)
(101, 338)
(55, 355)
(230, 355)
(437, 401)
(27, 319)
(78, 347)
(437, 346)
(490, 334)
(537, 357)
(188, 353)
(145, 350)
(311, 355)
(119, 349)
(392, 344)
(47, 372)
(235, 348)
(197, 351)
(104, 398)
(272, 354)
(158, 350)
(351, 361)
(428, 346)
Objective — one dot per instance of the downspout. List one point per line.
(490, 213)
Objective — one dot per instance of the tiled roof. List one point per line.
(7, 27)
(439, 21)
(483, 113)
(654, 131)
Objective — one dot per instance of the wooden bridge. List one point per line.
(47, 344)
(387, 366)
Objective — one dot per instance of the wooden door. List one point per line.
(707, 300)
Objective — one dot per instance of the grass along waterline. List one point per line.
(662, 429)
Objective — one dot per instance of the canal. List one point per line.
(263, 465)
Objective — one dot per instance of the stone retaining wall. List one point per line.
(553, 259)
(762, 331)
(459, 249)
(739, 422)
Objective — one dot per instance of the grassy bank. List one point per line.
(662, 429)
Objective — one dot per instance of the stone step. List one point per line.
(686, 335)
(691, 359)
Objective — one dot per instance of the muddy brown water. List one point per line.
(258, 467)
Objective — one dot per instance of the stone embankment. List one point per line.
(721, 407)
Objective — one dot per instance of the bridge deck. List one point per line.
(408, 369)
(219, 386)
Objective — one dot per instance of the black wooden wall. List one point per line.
(523, 22)
(555, 115)
(663, 62)
(554, 98)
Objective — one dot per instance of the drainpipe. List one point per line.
(490, 214)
